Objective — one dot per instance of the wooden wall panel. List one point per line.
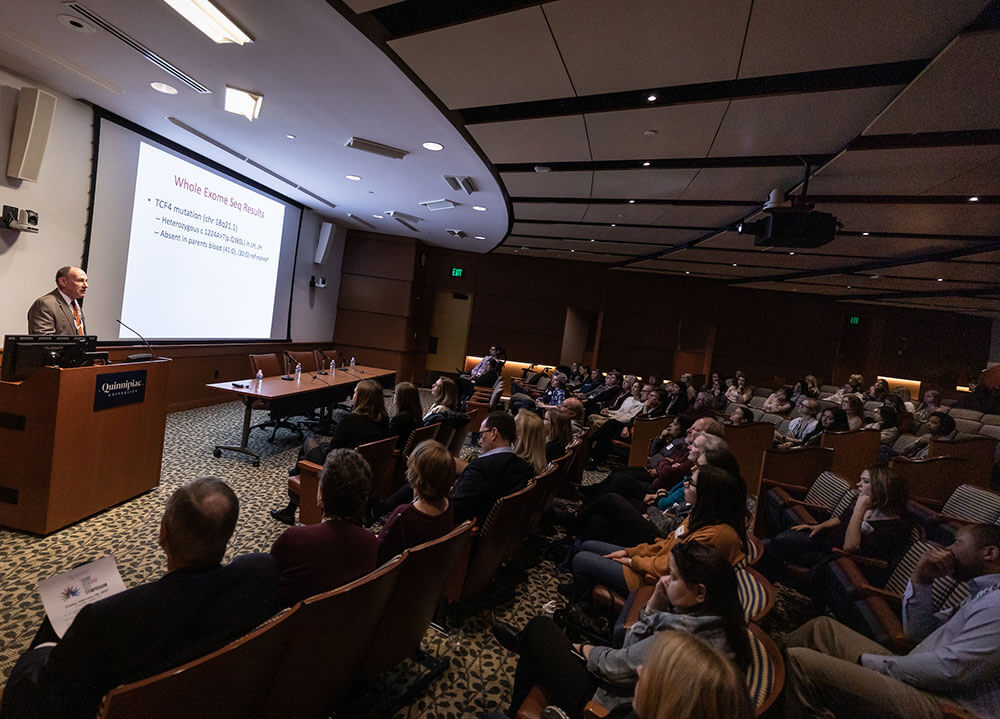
(375, 294)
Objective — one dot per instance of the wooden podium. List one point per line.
(74, 442)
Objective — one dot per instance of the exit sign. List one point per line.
(854, 320)
(456, 271)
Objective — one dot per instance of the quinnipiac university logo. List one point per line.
(115, 389)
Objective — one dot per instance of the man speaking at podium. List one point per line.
(59, 312)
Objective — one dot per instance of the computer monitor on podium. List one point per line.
(24, 354)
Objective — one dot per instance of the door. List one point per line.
(449, 331)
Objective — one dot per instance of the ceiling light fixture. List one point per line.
(651, 98)
(572, 250)
(973, 199)
(687, 272)
(791, 253)
(479, 208)
(613, 224)
(164, 88)
(353, 178)
(865, 234)
(645, 164)
(379, 217)
(940, 279)
(433, 146)
(376, 148)
(631, 202)
(243, 102)
(480, 237)
(290, 136)
(210, 20)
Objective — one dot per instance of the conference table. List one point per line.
(287, 398)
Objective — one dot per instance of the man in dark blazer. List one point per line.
(197, 607)
(59, 312)
(491, 475)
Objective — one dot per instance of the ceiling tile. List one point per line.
(548, 139)
(553, 211)
(681, 131)
(973, 272)
(696, 216)
(959, 90)
(547, 184)
(983, 179)
(778, 262)
(910, 171)
(624, 213)
(984, 257)
(741, 183)
(642, 184)
(967, 219)
(509, 57)
(635, 44)
(823, 35)
(814, 122)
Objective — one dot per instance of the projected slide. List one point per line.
(202, 255)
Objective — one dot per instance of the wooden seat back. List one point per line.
(331, 633)
(549, 482)
(854, 452)
(458, 439)
(980, 451)
(445, 433)
(931, 481)
(747, 443)
(795, 467)
(306, 485)
(644, 431)
(421, 434)
(266, 363)
(244, 667)
(414, 599)
(574, 476)
(382, 457)
(507, 519)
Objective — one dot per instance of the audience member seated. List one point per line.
(697, 596)
(706, 440)
(558, 433)
(367, 422)
(718, 517)
(800, 428)
(978, 399)
(854, 408)
(408, 413)
(877, 392)
(886, 423)
(618, 427)
(491, 475)
(553, 397)
(484, 374)
(740, 392)
(808, 387)
(777, 402)
(740, 415)
(604, 394)
(831, 419)
(316, 558)
(683, 677)
(444, 393)
(529, 444)
(676, 401)
(689, 390)
(931, 404)
(904, 394)
(904, 419)
(940, 426)
(625, 405)
(195, 608)
(430, 471)
(594, 381)
(573, 408)
(834, 671)
(877, 524)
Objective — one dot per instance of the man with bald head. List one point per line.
(59, 312)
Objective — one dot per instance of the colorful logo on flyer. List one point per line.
(70, 592)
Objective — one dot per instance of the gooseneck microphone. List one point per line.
(137, 357)
(291, 363)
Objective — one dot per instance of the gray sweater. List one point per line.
(616, 668)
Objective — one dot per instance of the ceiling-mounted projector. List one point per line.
(790, 227)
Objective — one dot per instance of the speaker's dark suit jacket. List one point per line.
(138, 633)
(50, 315)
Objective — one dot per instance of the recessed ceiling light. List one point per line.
(164, 88)
(593, 240)
(940, 279)
(631, 202)
(353, 178)
(210, 20)
(865, 234)
(290, 136)
(433, 146)
(848, 287)
(75, 23)
(479, 208)
(687, 272)
(480, 237)
(572, 250)
(379, 217)
(243, 102)
(651, 98)
(791, 253)
(523, 247)
(973, 199)
(735, 265)
(613, 224)
(645, 164)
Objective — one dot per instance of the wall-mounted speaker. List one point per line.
(35, 110)
(327, 232)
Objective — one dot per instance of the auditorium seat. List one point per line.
(383, 458)
(330, 634)
(230, 683)
(853, 452)
(968, 504)
(979, 450)
(306, 359)
(931, 481)
(823, 498)
(747, 443)
(305, 485)
(644, 431)
(461, 434)
(550, 482)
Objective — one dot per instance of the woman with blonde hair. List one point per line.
(445, 395)
(430, 470)
(684, 677)
(530, 442)
(407, 418)
(558, 434)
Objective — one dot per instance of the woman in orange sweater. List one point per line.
(718, 517)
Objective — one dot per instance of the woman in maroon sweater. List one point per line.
(430, 470)
(315, 558)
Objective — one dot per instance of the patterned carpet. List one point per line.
(481, 673)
